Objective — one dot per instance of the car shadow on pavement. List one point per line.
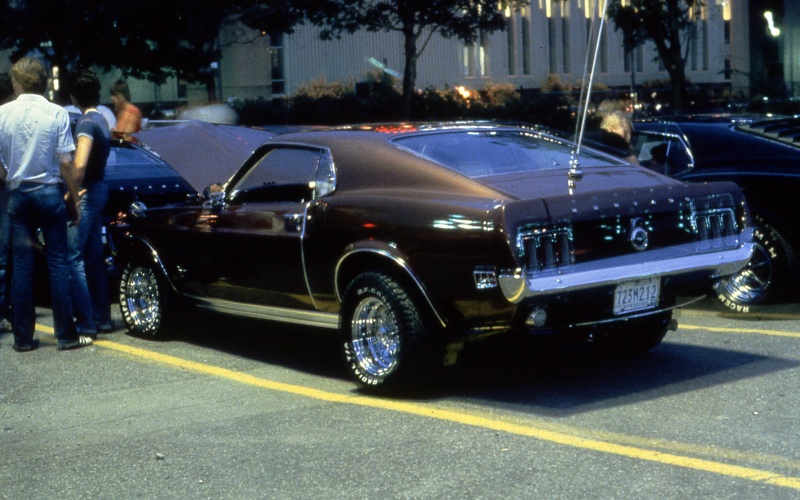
(310, 350)
(561, 380)
(544, 376)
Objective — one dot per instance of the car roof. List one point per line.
(722, 118)
(785, 129)
(370, 147)
(373, 152)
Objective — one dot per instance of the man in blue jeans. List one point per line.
(36, 149)
(88, 271)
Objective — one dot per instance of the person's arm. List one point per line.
(68, 173)
(83, 148)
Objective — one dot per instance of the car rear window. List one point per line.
(485, 153)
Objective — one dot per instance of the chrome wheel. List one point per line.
(141, 300)
(375, 337)
(765, 277)
(751, 284)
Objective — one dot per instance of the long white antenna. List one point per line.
(586, 90)
(585, 71)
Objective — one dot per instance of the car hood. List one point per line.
(204, 153)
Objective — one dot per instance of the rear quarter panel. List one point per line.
(441, 237)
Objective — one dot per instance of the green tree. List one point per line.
(417, 20)
(148, 39)
(668, 24)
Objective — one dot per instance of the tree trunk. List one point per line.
(674, 62)
(677, 78)
(409, 71)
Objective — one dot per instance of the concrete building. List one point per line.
(751, 46)
(734, 44)
(547, 38)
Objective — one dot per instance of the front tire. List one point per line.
(387, 342)
(143, 300)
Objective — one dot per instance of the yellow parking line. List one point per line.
(562, 438)
(741, 316)
(757, 331)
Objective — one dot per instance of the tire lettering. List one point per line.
(733, 306)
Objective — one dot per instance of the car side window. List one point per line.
(282, 174)
(326, 176)
(664, 153)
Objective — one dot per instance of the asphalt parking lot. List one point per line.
(242, 409)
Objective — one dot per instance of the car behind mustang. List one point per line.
(762, 156)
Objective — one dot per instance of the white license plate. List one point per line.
(636, 295)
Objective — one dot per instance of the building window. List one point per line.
(640, 59)
(565, 43)
(705, 45)
(699, 38)
(278, 64)
(511, 26)
(726, 19)
(483, 55)
(727, 50)
(468, 60)
(526, 41)
(551, 40)
(476, 57)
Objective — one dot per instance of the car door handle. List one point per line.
(293, 222)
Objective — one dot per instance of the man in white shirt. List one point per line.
(36, 149)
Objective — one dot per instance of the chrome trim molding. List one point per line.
(156, 259)
(282, 314)
(403, 265)
(672, 261)
(303, 254)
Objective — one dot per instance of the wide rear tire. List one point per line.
(388, 344)
(765, 277)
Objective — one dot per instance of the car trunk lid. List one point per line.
(596, 221)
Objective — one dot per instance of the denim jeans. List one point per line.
(42, 208)
(87, 267)
(5, 253)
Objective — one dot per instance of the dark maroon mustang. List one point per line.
(411, 239)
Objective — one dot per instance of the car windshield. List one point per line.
(484, 153)
(126, 162)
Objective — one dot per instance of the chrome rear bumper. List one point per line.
(673, 261)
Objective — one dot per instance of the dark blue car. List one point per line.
(762, 156)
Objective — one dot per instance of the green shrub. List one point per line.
(379, 100)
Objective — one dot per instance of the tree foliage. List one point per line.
(148, 39)
(668, 24)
